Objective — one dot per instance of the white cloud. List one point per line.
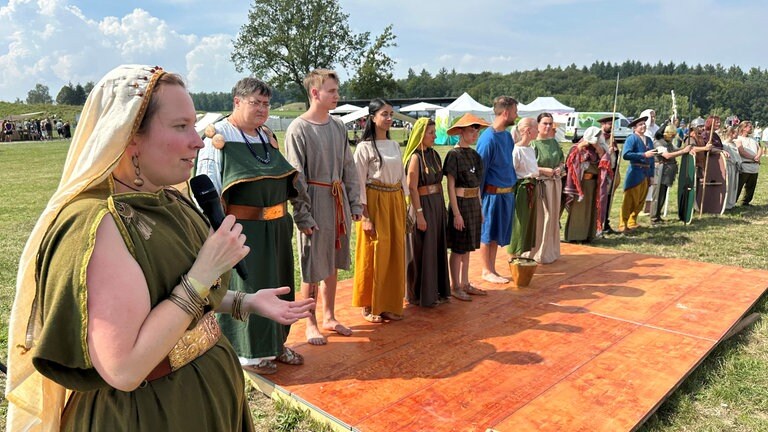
(53, 43)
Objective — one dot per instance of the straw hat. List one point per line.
(467, 120)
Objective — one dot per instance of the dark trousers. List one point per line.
(750, 180)
(659, 204)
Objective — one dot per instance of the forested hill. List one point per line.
(699, 90)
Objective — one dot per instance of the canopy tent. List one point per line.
(345, 109)
(205, 120)
(543, 104)
(348, 118)
(17, 117)
(420, 106)
(445, 117)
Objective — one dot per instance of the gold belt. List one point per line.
(193, 344)
(384, 187)
(430, 189)
(495, 190)
(468, 192)
(244, 212)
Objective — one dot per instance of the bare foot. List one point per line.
(494, 278)
(336, 326)
(314, 337)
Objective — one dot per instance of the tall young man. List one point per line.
(497, 187)
(316, 145)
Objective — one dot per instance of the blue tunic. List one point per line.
(495, 149)
(640, 167)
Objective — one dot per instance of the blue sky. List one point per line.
(56, 41)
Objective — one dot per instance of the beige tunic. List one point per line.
(320, 153)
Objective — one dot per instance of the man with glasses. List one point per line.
(244, 163)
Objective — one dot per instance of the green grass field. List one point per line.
(728, 391)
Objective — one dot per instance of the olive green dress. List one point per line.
(164, 234)
(247, 181)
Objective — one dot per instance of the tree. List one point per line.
(286, 39)
(39, 95)
(374, 77)
(66, 95)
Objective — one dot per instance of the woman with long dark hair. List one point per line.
(379, 285)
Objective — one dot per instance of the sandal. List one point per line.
(461, 295)
(371, 317)
(290, 357)
(389, 316)
(264, 367)
(469, 289)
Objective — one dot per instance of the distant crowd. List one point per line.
(35, 129)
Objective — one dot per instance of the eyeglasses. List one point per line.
(264, 105)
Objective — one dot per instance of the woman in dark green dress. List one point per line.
(242, 159)
(118, 281)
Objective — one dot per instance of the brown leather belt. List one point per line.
(587, 176)
(253, 213)
(430, 189)
(495, 190)
(192, 344)
(468, 192)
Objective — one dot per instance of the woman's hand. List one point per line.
(265, 302)
(458, 221)
(220, 252)
(368, 227)
(421, 222)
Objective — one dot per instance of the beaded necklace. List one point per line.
(266, 160)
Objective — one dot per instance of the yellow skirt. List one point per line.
(380, 257)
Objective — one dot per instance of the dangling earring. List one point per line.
(138, 181)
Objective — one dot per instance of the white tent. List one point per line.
(543, 104)
(345, 109)
(445, 117)
(204, 121)
(347, 118)
(420, 106)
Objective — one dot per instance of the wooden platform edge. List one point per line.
(276, 392)
(745, 321)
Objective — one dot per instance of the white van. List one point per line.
(578, 122)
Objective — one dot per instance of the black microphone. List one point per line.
(208, 200)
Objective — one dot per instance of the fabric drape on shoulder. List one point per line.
(109, 119)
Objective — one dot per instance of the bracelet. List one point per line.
(193, 310)
(237, 307)
(198, 286)
(193, 294)
(419, 210)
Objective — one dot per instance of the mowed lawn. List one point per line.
(728, 392)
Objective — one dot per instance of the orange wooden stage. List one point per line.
(596, 343)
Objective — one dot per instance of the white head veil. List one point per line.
(110, 117)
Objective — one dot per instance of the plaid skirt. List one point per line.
(468, 239)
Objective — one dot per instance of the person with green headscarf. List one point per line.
(427, 281)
